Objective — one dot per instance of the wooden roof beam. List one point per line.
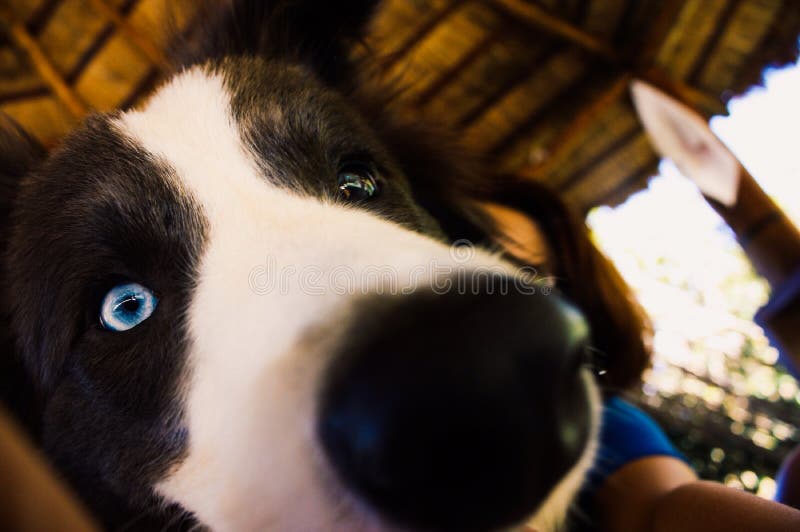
(421, 33)
(145, 85)
(560, 146)
(538, 18)
(452, 73)
(658, 32)
(41, 16)
(589, 165)
(480, 47)
(138, 39)
(36, 91)
(468, 119)
(102, 37)
(713, 40)
(53, 79)
(622, 188)
(533, 15)
(523, 129)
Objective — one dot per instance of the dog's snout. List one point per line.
(457, 411)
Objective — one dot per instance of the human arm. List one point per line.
(661, 494)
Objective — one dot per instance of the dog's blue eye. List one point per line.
(125, 306)
(357, 182)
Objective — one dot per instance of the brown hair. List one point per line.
(621, 330)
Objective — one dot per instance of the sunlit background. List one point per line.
(715, 385)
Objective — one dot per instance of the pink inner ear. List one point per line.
(682, 135)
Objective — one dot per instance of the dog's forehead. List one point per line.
(251, 116)
(288, 119)
(188, 124)
(289, 100)
(264, 130)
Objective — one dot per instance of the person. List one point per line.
(641, 483)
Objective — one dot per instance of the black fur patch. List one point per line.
(317, 34)
(301, 133)
(100, 212)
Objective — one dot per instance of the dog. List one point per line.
(247, 304)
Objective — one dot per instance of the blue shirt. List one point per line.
(626, 434)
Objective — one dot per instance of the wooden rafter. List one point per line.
(548, 50)
(658, 31)
(53, 79)
(620, 188)
(560, 146)
(480, 47)
(711, 42)
(753, 66)
(566, 93)
(623, 25)
(540, 19)
(591, 163)
(89, 54)
(462, 64)
(36, 91)
(41, 16)
(138, 39)
(37, 21)
(423, 31)
(533, 14)
(99, 42)
(145, 85)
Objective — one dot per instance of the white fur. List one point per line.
(252, 462)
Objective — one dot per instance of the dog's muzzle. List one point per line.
(458, 411)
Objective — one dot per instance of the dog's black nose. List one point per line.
(457, 411)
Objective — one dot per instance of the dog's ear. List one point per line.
(19, 153)
(317, 33)
(535, 226)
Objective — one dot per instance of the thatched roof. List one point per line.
(539, 84)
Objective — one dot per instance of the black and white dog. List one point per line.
(239, 306)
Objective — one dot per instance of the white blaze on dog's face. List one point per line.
(257, 351)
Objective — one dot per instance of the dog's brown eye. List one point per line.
(357, 182)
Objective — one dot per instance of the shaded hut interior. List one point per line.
(541, 86)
